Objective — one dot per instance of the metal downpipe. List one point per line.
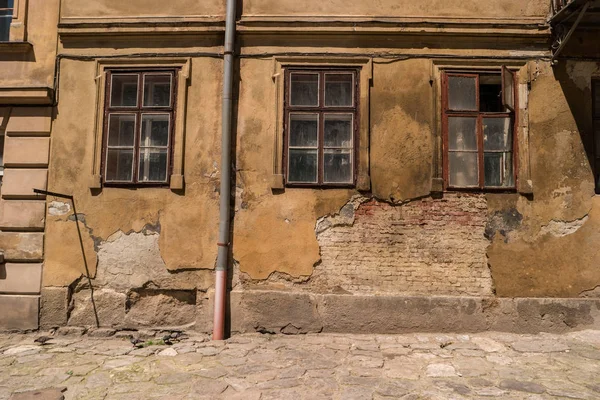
(225, 194)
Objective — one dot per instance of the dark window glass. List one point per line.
(139, 126)
(320, 145)
(6, 15)
(596, 124)
(479, 140)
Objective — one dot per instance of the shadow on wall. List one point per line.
(575, 81)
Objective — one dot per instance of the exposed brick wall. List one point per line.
(430, 246)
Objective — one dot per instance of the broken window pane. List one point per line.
(302, 166)
(338, 130)
(337, 166)
(462, 133)
(497, 134)
(124, 91)
(463, 169)
(304, 90)
(157, 90)
(121, 130)
(119, 165)
(498, 169)
(596, 90)
(153, 165)
(155, 130)
(303, 130)
(490, 93)
(462, 93)
(338, 90)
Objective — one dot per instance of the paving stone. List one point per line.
(43, 394)
(170, 352)
(539, 346)
(529, 387)
(440, 370)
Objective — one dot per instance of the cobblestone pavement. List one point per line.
(325, 366)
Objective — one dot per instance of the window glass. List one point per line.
(337, 166)
(6, 13)
(119, 165)
(157, 90)
(124, 91)
(462, 93)
(155, 130)
(138, 139)
(153, 165)
(1, 155)
(338, 90)
(462, 133)
(497, 134)
(338, 130)
(304, 130)
(121, 130)
(304, 89)
(302, 166)
(463, 169)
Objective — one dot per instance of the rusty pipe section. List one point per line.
(225, 194)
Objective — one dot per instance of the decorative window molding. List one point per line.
(180, 68)
(364, 74)
(519, 72)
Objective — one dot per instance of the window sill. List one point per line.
(26, 95)
(16, 47)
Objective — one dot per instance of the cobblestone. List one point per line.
(320, 366)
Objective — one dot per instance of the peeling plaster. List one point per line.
(580, 73)
(57, 208)
(563, 228)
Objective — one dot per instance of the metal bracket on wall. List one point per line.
(561, 38)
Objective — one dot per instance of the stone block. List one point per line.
(108, 306)
(22, 246)
(274, 312)
(22, 214)
(18, 312)
(398, 314)
(26, 151)
(19, 183)
(54, 305)
(165, 308)
(25, 121)
(20, 278)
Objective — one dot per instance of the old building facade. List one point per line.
(396, 165)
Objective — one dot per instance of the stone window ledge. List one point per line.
(16, 47)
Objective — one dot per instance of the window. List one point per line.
(138, 126)
(2, 135)
(320, 127)
(478, 130)
(596, 123)
(6, 15)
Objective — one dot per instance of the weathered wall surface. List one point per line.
(471, 8)
(115, 9)
(142, 246)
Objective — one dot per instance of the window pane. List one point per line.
(596, 99)
(157, 90)
(463, 169)
(462, 133)
(338, 90)
(304, 90)
(498, 169)
(124, 91)
(337, 166)
(153, 165)
(302, 166)
(5, 26)
(121, 130)
(338, 130)
(462, 93)
(303, 130)
(497, 134)
(597, 136)
(155, 130)
(119, 165)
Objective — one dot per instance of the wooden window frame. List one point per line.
(479, 115)
(322, 110)
(139, 110)
(595, 127)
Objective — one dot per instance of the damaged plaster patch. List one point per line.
(563, 228)
(345, 217)
(580, 72)
(503, 222)
(57, 208)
